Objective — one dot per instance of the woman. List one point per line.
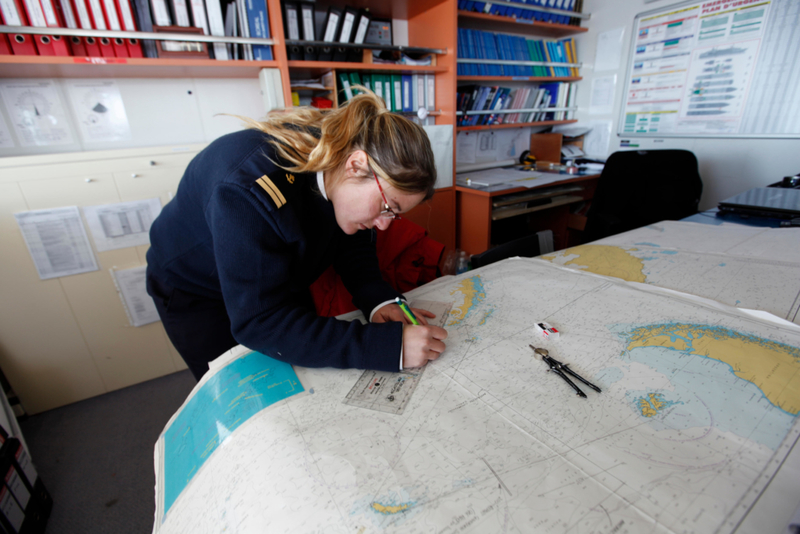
(261, 213)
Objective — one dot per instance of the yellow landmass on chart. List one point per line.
(388, 510)
(603, 259)
(651, 405)
(772, 366)
(473, 293)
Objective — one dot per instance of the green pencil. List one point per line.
(407, 311)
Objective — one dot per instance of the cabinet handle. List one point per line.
(152, 163)
(134, 175)
(88, 180)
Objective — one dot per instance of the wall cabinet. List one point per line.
(68, 338)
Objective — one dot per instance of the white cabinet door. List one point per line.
(66, 339)
(42, 349)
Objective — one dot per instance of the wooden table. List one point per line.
(476, 208)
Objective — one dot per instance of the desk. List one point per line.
(474, 212)
(491, 442)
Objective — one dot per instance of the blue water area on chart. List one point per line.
(237, 392)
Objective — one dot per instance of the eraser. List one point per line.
(546, 330)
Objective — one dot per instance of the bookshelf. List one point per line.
(499, 24)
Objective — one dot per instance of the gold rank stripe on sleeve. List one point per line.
(273, 191)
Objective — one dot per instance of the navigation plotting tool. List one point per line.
(384, 391)
(560, 369)
(388, 392)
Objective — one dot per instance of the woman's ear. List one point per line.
(357, 163)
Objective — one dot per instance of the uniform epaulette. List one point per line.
(276, 184)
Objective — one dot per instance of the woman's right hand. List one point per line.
(422, 343)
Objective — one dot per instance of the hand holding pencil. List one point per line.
(421, 341)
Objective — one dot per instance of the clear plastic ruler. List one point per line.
(388, 392)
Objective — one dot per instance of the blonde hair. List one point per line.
(313, 140)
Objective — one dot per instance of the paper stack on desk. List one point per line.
(511, 177)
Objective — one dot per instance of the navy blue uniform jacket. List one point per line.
(243, 230)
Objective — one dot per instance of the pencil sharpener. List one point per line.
(546, 330)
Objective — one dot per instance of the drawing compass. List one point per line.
(563, 370)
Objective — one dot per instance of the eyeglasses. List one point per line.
(387, 213)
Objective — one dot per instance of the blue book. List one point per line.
(474, 51)
(407, 93)
(499, 70)
(258, 22)
(570, 7)
(491, 98)
(473, 68)
(567, 7)
(553, 58)
(521, 69)
(513, 70)
(559, 5)
(499, 103)
(502, 52)
(552, 90)
(490, 52)
(527, 13)
(478, 105)
(562, 57)
(537, 15)
(544, 16)
(510, 70)
(461, 68)
(551, 17)
(470, 104)
(492, 102)
(481, 52)
(516, 70)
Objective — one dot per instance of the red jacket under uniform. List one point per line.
(408, 258)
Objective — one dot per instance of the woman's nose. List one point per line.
(382, 223)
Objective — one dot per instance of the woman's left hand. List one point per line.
(392, 312)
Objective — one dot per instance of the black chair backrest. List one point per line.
(527, 247)
(642, 187)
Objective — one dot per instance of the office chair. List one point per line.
(643, 187)
(527, 247)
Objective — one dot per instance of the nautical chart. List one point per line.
(740, 266)
(699, 407)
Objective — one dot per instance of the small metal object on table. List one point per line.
(562, 370)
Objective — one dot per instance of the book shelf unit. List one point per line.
(526, 28)
(475, 210)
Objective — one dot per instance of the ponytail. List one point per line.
(313, 140)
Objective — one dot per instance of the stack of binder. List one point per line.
(526, 10)
(348, 25)
(36, 13)
(505, 99)
(402, 93)
(477, 44)
(25, 503)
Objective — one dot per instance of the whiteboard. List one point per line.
(719, 68)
